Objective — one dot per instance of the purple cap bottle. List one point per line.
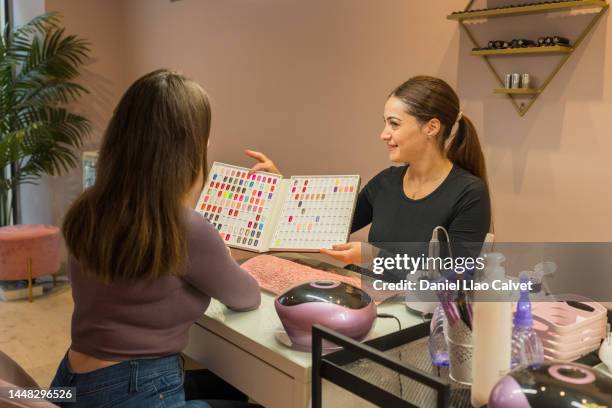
(527, 349)
(523, 317)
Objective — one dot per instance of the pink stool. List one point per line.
(28, 251)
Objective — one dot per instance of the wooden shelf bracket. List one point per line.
(518, 99)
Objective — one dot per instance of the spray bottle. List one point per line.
(527, 349)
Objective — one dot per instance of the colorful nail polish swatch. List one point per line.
(238, 204)
(319, 215)
(263, 212)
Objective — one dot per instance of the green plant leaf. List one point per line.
(39, 135)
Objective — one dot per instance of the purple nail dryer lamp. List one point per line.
(552, 384)
(335, 305)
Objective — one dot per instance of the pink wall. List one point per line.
(305, 81)
(104, 76)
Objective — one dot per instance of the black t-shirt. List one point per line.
(460, 204)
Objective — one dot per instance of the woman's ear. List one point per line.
(432, 128)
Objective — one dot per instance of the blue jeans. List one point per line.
(150, 383)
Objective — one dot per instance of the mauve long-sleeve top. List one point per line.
(127, 320)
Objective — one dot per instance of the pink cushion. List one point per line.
(20, 242)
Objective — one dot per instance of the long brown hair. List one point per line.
(426, 98)
(129, 224)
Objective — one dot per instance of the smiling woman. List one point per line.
(442, 181)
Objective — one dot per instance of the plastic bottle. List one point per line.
(527, 347)
(605, 352)
(438, 346)
(492, 335)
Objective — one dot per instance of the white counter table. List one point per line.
(242, 349)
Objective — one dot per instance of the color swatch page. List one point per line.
(240, 205)
(317, 212)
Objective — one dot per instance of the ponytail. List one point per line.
(426, 98)
(465, 151)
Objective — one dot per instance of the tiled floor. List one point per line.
(37, 334)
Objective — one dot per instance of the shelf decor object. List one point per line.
(554, 49)
(517, 91)
(532, 8)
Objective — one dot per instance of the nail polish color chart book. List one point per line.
(264, 212)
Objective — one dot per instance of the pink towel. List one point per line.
(277, 275)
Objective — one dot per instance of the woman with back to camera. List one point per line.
(443, 181)
(143, 265)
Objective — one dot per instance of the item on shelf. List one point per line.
(521, 43)
(508, 81)
(516, 80)
(569, 329)
(263, 212)
(605, 351)
(525, 79)
(277, 275)
(560, 40)
(333, 304)
(525, 43)
(548, 41)
(552, 385)
(527, 347)
(492, 336)
(494, 45)
(437, 343)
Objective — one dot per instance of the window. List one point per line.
(2, 14)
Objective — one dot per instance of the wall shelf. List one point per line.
(554, 49)
(523, 98)
(527, 9)
(517, 91)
